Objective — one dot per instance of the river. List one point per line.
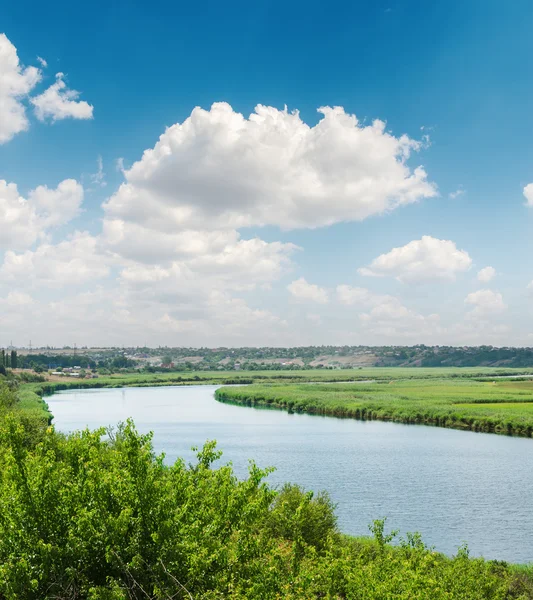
(451, 486)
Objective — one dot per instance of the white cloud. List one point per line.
(24, 221)
(235, 264)
(358, 296)
(20, 225)
(427, 259)
(58, 206)
(301, 290)
(528, 194)
(390, 319)
(73, 261)
(486, 274)
(42, 62)
(17, 299)
(219, 169)
(172, 228)
(98, 178)
(458, 192)
(16, 82)
(386, 316)
(59, 102)
(485, 302)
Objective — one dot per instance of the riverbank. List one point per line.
(504, 407)
(31, 394)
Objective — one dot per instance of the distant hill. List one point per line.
(332, 357)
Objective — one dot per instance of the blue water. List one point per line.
(451, 486)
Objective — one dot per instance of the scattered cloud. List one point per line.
(485, 302)
(528, 194)
(98, 178)
(486, 274)
(458, 192)
(303, 291)
(59, 102)
(427, 259)
(42, 62)
(16, 82)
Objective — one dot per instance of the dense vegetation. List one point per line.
(31, 394)
(100, 517)
(490, 406)
(181, 359)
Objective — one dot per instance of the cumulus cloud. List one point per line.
(73, 261)
(427, 259)
(302, 290)
(486, 274)
(58, 206)
(391, 319)
(358, 296)
(172, 227)
(485, 302)
(236, 264)
(528, 194)
(386, 317)
(24, 221)
(16, 82)
(59, 102)
(220, 169)
(20, 223)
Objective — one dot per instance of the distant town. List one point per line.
(86, 362)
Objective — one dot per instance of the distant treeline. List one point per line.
(272, 358)
(45, 361)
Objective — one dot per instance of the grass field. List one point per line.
(490, 406)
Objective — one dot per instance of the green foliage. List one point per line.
(302, 517)
(97, 515)
(505, 406)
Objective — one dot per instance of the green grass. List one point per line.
(31, 394)
(499, 407)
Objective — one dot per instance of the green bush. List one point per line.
(98, 516)
(297, 515)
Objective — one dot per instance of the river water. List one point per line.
(451, 486)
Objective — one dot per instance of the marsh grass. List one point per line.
(493, 407)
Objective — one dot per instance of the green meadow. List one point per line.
(497, 406)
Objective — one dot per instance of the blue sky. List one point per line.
(259, 244)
